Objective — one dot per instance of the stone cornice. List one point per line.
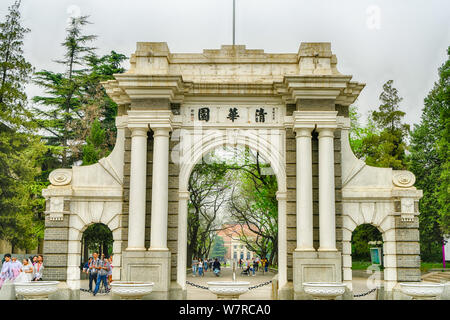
(325, 87)
(141, 87)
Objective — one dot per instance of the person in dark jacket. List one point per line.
(216, 267)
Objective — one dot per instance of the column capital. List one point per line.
(121, 122)
(138, 131)
(326, 132)
(281, 195)
(304, 132)
(183, 195)
(161, 131)
(154, 119)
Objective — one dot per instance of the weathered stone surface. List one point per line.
(407, 235)
(408, 248)
(56, 234)
(55, 247)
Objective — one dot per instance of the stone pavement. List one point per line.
(263, 293)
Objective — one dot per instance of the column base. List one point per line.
(319, 266)
(135, 249)
(286, 292)
(305, 250)
(149, 266)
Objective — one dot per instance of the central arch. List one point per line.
(191, 152)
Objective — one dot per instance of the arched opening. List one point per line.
(232, 215)
(367, 259)
(96, 238)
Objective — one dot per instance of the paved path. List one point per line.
(263, 293)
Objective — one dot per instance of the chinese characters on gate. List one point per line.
(204, 114)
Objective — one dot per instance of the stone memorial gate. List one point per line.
(173, 108)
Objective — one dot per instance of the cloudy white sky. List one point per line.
(377, 40)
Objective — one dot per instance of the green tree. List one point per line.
(94, 149)
(387, 147)
(14, 71)
(20, 148)
(207, 185)
(59, 110)
(253, 205)
(97, 105)
(358, 132)
(429, 161)
(218, 248)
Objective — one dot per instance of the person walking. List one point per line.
(86, 266)
(194, 266)
(200, 267)
(253, 267)
(93, 271)
(205, 265)
(103, 269)
(110, 269)
(216, 267)
(266, 265)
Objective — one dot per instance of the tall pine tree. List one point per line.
(20, 148)
(61, 109)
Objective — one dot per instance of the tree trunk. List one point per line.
(189, 257)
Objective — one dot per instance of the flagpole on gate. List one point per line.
(234, 22)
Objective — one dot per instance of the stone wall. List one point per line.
(291, 212)
(172, 232)
(408, 250)
(56, 244)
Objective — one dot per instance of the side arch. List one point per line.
(83, 215)
(359, 213)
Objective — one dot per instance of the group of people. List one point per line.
(28, 270)
(201, 266)
(253, 265)
(99, 271)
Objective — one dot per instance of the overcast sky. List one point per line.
(378, 40)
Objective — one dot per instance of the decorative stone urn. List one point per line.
(422, 290)
(131, 290)
(36, 290)
(324, 290)
(228, 290)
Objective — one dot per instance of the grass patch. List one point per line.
(425, 266)
(361, 265)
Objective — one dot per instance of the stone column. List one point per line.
(183, 198)
(160, 189)
(327, 217)
(304, 190)
(138, 175)
(282, 239)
